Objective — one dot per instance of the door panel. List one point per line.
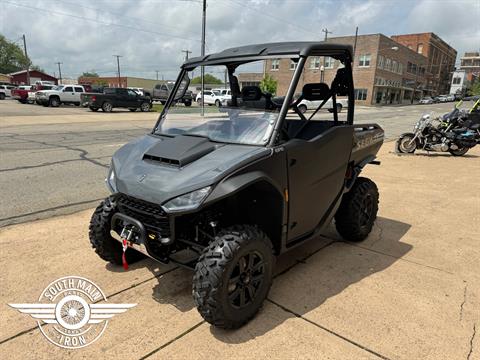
(316, 173)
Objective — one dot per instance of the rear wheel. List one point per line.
(233, 276)
(405, 144)
(218, 103)
(145, 107)
(93, 108)
(358, 210)
(132, 109)
(107, 107)
(459, 151)
(188, 103)
(104, 244)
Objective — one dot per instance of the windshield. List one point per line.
(248, 117)
(58, 88)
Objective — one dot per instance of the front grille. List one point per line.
(150, 215)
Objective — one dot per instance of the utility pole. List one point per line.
(157, 73)
(59, 71)
(202, 75)
(118, 69)
(322, 70)
(28, 60)
(355, 42)
(186, 53)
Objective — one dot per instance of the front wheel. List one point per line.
(187, 103)
(459, 151)
(104, 244)
(218, 103)
(358, 210)
(405, 144)
(233, 276)
(54, 102)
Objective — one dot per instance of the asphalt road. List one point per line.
(54, 161)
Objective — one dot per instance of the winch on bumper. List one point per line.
(146, 226)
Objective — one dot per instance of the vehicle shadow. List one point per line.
(436, 154)
(323, 267)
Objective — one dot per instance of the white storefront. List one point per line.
(459, 80)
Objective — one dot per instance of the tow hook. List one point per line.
(126, 235)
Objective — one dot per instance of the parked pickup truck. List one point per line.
(6, 91)
(161, 92)
(116, 98)
(21, 93)
(61, 94)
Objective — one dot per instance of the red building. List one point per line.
(20, 77)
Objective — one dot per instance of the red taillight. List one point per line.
(94, 98)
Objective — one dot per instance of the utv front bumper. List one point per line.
(150, 225)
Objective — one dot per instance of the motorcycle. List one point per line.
(451, 134)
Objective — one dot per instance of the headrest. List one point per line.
(316, 91)
(340, 84)
(251, 93)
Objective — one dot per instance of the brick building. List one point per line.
(439, 62)
(20, 77)
(470, 62)
(384, 71)
(125, 81)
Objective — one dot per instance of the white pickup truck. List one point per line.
(61, 94)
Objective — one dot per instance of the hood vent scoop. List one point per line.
(179, 151)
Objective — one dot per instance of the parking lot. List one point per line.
(410, 291)
(54, 160)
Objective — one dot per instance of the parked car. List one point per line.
(440, 98)
(305, 105)
(116, 98)
(161, 92)
(21, 93)
(451, 97)
(210, 97)
(6, 91)
(61, 94)
(426, 100)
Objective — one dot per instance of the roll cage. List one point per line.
(296, 51)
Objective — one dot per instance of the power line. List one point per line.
(98, 21)
(283, 21)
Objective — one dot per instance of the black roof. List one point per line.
(297, 48)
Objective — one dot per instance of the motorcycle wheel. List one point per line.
(405, 144)
(459, 151)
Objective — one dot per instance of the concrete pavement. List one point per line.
(411, 290)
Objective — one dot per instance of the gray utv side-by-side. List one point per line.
(227, 196)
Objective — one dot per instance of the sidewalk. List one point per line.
(410, 291)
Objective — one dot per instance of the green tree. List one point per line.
(37, 68)
(90, 74)
(475, 88)
(207, 79)
(12, 57)
(269, 85)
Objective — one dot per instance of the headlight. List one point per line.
(111, 180)
(188, 201)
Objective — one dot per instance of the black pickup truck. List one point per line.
(116, 98)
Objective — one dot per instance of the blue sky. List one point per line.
(150, 34)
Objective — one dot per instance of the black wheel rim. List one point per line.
(367, 211)
(246, 279)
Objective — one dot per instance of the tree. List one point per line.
(37, 68)
(475, 88)
(269, 85)
(207, 79)
(90, 74)
(12, 57)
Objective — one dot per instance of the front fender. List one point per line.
(237, 183)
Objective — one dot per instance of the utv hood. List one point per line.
(157, 169)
